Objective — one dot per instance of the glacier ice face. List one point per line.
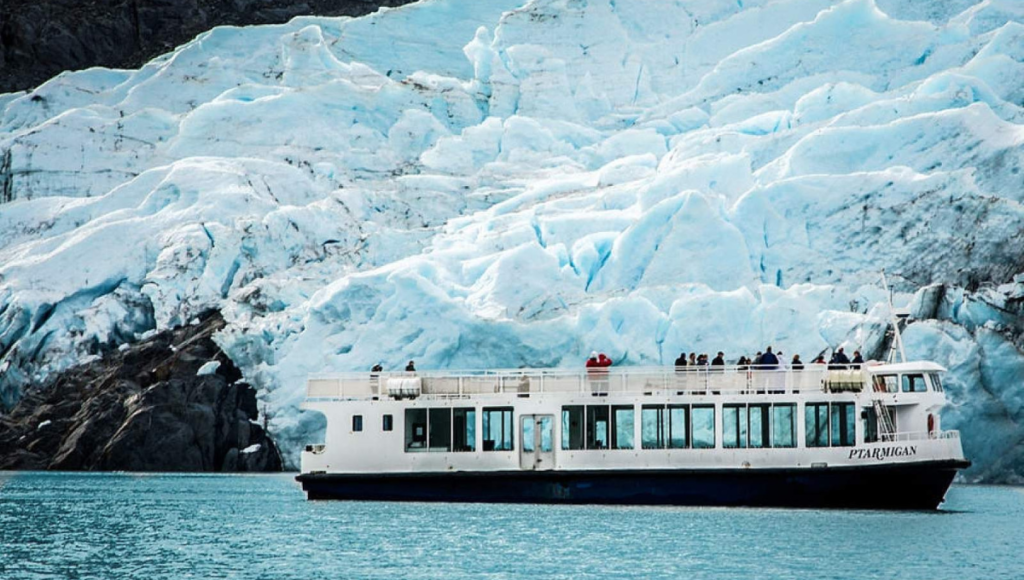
(511, 183)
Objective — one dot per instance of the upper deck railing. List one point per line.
(715, 380)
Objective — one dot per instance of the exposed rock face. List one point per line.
(41, 38)
(146, 408)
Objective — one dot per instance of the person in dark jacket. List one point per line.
(857, 359)
(681, 361)
(411, 367)
(719, 361)
(769, 360)
(796, 364)
(839, 359)
(757, 359)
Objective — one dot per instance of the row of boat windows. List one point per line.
(612, 427)
(911, 383)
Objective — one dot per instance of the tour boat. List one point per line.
(854, 437)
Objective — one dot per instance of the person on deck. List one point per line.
(839, 359)
(376, 371)
(693, 359)
(769, 360)
(719, 361)
(857, 359)
(796, 364)
(681, 361)
(820, 360)
(411, 367)
(597, 373)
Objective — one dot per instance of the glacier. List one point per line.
(516, 183)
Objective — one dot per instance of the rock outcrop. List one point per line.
(172, 402)
(41, 38)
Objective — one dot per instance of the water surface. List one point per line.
(55, 525)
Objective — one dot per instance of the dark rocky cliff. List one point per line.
(41, 38)
(144, 408)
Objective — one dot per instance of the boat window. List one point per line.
(759, 425)
(843, 425)
(415, 429)
(439, 429)
(703, 421)
(546, 433)
(497, 428)
(913, 384)
(816, 424)
(597, 427)
(528, 436)
(885, 384)
(572, 427)
(936, 382)
(622, 426)
(678, 426)
(784, 425)
(653, 427)
(734, 426)
(464, 429)
(357, 422)
(388, 423)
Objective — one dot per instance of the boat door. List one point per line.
(538, 448)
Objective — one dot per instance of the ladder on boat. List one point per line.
(886, 429)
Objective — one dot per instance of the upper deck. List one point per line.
(705, 380)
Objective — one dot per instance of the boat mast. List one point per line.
(895, 324)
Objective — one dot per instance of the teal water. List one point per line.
(109, 526)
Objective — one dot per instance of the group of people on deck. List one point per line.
(766, 360)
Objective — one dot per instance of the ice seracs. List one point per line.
(512, 183)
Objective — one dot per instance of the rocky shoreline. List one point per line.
(171, 402)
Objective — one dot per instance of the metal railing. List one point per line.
(714, 380)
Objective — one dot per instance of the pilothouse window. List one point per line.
(913, 384)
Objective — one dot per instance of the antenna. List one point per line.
(895, 322)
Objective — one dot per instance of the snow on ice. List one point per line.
(509, 183)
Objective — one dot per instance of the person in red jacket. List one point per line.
(597, 373)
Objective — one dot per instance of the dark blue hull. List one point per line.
(916, 486)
